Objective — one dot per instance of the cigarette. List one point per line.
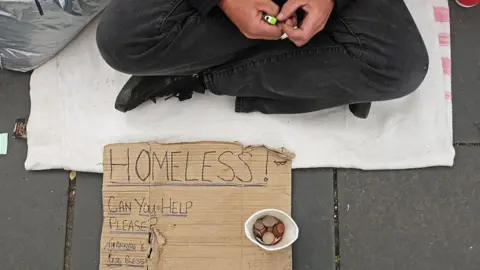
(284, 36)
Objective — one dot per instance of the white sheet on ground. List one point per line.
(72, 115)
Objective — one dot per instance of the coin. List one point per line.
(268, 238)
(260, 232)
(278, 239)
(259, 225)
(268, 230)
(279, 230)
(269, 221)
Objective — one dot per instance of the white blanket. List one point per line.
(72, 115)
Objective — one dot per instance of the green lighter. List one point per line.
(270, 19)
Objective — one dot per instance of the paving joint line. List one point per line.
(336, 220)
(67, 259)
(466, 144)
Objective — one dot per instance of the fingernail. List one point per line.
(280, 16)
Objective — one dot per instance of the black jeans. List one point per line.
(370, 51)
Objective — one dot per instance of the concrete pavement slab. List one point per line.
(87, 222)
(312, 209)
(465, 32)
(412, 219)
(34, 204)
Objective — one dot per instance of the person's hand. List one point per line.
(317, 14)
(247, 15)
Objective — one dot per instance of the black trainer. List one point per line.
(360, 110)
(139, 89)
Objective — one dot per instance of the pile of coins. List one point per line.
(268, 230)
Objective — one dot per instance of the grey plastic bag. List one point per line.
(33, 31)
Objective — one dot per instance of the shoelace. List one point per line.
(184, 93)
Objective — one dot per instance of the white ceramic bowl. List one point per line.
(291, 229)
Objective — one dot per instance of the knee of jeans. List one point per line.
(124, 52)
(110, 43)
(404, 73)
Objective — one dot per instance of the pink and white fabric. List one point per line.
(72, 115)
(442, 18)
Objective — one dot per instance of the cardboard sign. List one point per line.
(183, 206)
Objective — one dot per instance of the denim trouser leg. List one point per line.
(370, 51)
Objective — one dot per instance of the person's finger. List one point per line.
(301, 35)
(269, 7)
(295, 35)
(289, 22)
(295, 20)
(309, 25)
(268, 32)
(292, 21)
(262, 30)
(292, 34)
(289, 9)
